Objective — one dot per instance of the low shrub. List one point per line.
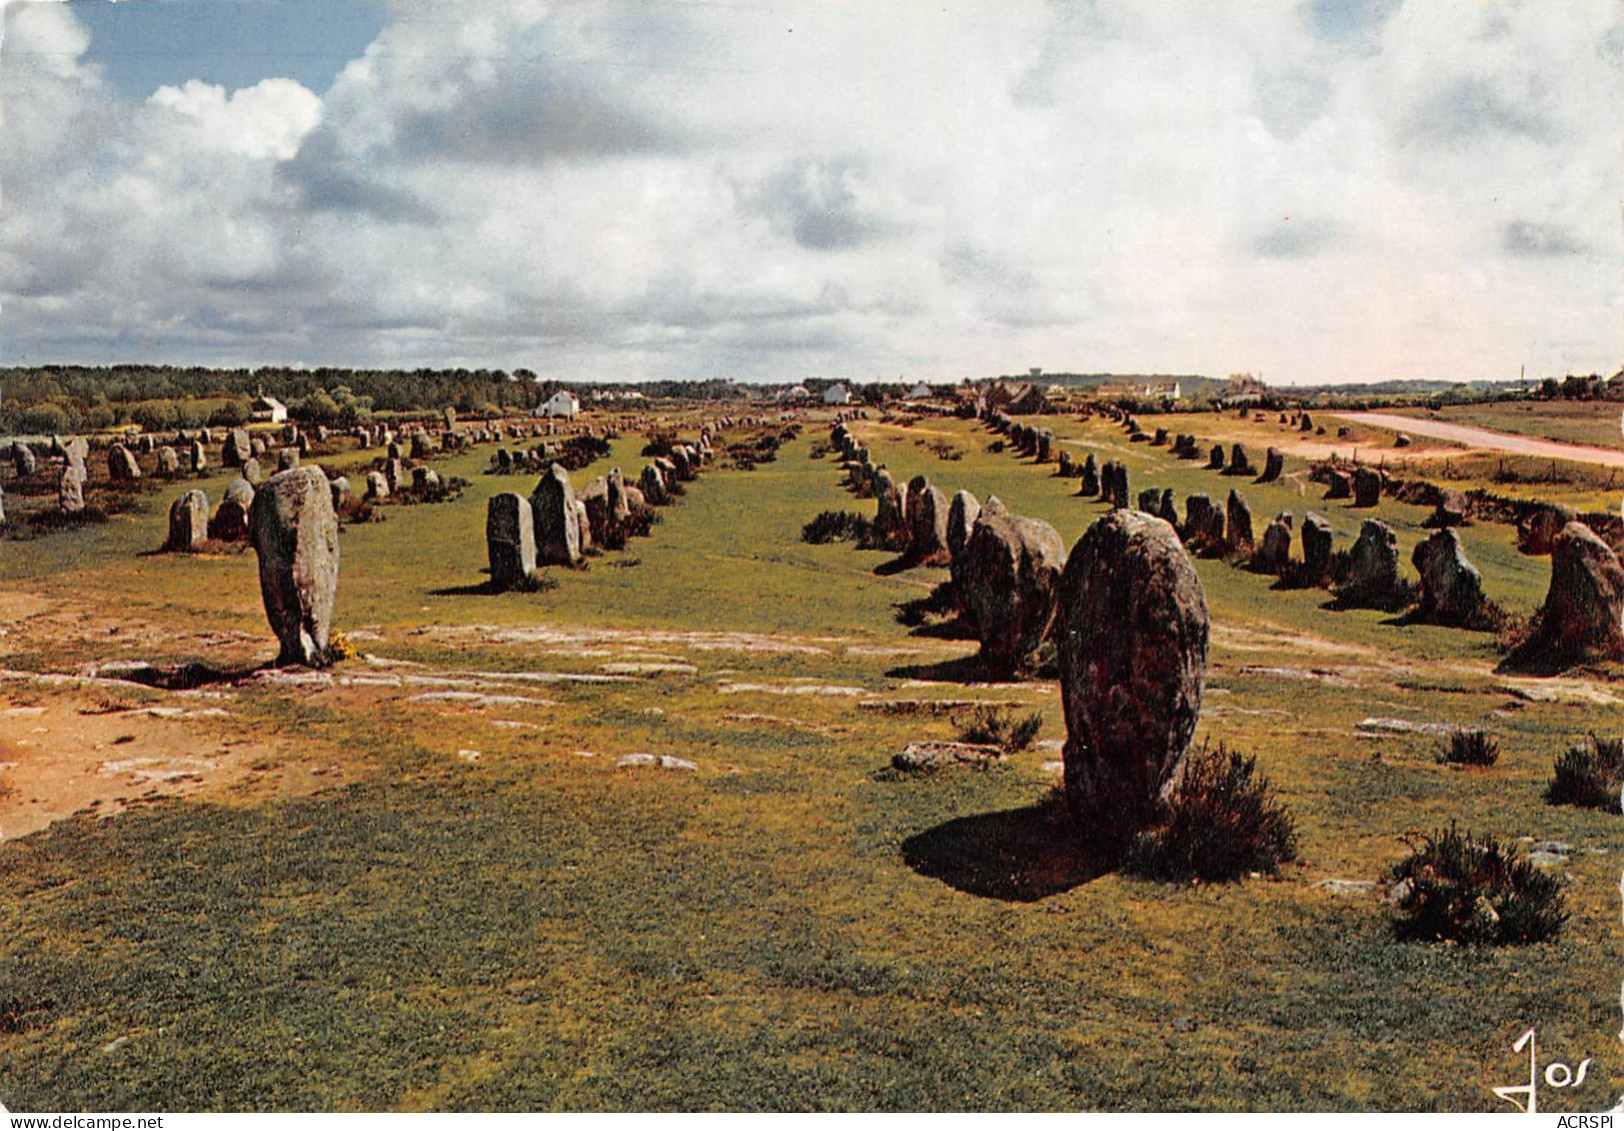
(1454, 888)
(1222, 822)
(998, 726)
(1469, 747)
(1589, 777)
(838, 526)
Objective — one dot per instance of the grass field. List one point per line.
(1595, 423)
(476, 909)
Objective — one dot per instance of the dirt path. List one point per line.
(1487, 439)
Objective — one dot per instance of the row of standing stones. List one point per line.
(1131, 698)
(1127, 616)
(1583, 613)
(555, 525)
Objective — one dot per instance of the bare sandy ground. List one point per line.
(1486, 439)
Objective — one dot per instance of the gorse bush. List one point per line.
(1589, 777)
(997, 726)
(1222, 822)
(1453, 888)
(838, 526)
(1466, 747)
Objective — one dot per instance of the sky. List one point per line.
(1313, 191)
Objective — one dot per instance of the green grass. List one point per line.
(1592, 423)
(784, 928)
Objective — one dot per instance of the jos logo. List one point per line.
(1557, 1075)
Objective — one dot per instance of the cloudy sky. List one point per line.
(1316, 190)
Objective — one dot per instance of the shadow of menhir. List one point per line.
(1016, 855)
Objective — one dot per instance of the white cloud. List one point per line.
(265, 120)
(1323, 192)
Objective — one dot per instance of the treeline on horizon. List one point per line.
(68, 398)
(73, 398)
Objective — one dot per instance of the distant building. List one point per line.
(837, 394)
(1243, 388)
(267, 410)
(920, 392)
(794, 394)
(1166, 391)
(562, 403)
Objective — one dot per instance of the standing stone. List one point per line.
(340, 488)
(1305, 423)
(1316, 546)
(168, 462)
(1006, 581)
(620, 508)
(394, 473)
(231, 517)
(392, 450)
(23, 460)
(200, 458)
(1583, 614)
(961, 519)
(236, 448)
(1373, 568)
(1216, 461)
(1239, 522)
(377, 488)
(1450, 510)
(422, 446)
(1167, 509)
(557, 523)
(510, 539)
(927, 525)
(257, 447)
(1537, 532)
(251, 471)
(302, 444)
(1451, 586)
(1239, 462)
(1067, 468)
(1045, 445)
(1274, 465)
(595, 498)
(1132, 633)
(121, 465)
(1203, 524)
(287, 459)
(1150, 501)
(1090, 485)
(653, 486)
(1274, 554)
(582, 526)
(1119, 486)
(188, 521)
(1338, 484)
(295, 534)
(70, 489)
(1367, 487)
(891, 516)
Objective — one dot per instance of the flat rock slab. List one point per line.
(1375, 726)
(653, 762)
(929, 757)
(1348, 887)
(931, 706)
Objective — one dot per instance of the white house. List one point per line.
(268, 410)
(562, 403)
(837, 394)
(794, 393)
(920, 392)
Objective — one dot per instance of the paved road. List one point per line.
(1487, 439)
